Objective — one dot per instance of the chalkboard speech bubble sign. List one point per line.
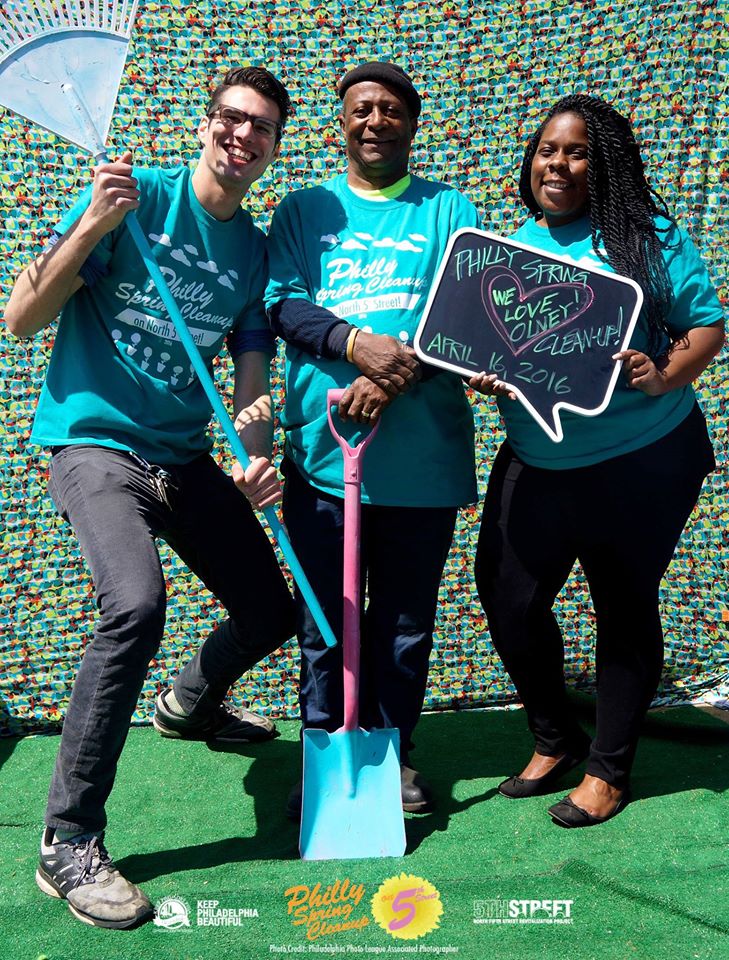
(545, 325)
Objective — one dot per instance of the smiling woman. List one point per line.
(559, 170)
(616, 492)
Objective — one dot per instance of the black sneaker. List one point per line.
(82, 872)
(223, 724)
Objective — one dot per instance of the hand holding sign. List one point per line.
(490, 384)
(544, 329)
(642, 373)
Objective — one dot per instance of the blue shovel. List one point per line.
(351, 802)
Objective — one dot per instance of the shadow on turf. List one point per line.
(681, 749)
(275, 768)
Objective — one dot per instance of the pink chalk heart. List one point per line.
(541, 310)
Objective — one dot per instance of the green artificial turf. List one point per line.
(201, 824)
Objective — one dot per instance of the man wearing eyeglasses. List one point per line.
(351, 264)
(126, 419)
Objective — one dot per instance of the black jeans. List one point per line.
(403, 552)
(621, 519)
(117, 513)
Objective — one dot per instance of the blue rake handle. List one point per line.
(97, 147)
(227, 424)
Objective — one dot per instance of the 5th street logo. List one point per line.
(522, 911)
(407, 907)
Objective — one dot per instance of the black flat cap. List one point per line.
(381, 72)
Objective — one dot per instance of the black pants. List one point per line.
(117, 516)
(621, 519)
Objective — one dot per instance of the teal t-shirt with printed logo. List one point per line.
(118, 375)
(372, 263)
(632, 419)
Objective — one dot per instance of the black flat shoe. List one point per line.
(517, 787)
(568, 814)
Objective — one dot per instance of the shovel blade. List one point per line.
(351, 804)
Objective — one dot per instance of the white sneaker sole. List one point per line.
(47, 887)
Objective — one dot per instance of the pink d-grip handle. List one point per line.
(351, 579)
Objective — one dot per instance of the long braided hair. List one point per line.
(622, 206)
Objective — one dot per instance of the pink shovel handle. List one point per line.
(352, 455)
(351, 580)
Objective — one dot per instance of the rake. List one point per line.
(61, 63)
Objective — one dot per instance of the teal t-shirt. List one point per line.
(372, 264)
(632, 419)
(118, 375)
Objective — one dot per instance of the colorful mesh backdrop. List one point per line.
(487, 72)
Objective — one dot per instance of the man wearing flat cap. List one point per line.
(351, 264)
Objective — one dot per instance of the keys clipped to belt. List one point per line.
(159, 479)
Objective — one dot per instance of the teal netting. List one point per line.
(487, 72)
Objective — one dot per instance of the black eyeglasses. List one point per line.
(232, 118)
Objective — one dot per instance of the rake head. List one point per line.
(49, 48)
